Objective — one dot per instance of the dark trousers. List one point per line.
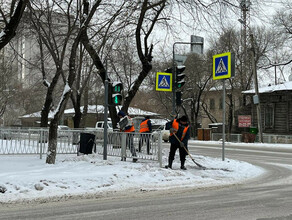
(130, 143)
(145, 137)
(182, 153)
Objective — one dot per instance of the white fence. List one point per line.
(267, 138)
(35, 141)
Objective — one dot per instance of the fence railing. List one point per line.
(267, 138)
(120, 144)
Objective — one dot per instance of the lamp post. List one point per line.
(256, 97)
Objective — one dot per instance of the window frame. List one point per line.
(271, 123)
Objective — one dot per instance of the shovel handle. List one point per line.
(199, 165)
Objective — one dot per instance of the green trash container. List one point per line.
(253, 130)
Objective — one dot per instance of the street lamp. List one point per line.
(256, 97)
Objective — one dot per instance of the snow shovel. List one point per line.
(182, 145)
(199, 165)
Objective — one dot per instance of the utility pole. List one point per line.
(244, 5)
(256, 97)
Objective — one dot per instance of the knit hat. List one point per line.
(184, 118)
(121, 113)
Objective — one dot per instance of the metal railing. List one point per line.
(35, 141)
(267, 138)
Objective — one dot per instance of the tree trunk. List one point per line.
(147, 66)
(53, 135)
(78, 114)
(99, 65)
(49, 100)
(85, 108)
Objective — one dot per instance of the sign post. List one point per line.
(223, 68)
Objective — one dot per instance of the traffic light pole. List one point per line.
(105, 114)
(174, 75)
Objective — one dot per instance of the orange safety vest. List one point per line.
(175, 125)
(131, 129)
(144, 126)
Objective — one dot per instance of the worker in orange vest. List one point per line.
(145, 133)
(180, 128)
(129, 129)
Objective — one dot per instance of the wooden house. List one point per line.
(276, 108)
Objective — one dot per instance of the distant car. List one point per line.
(63, 131)
(99, 126)
(164, 133)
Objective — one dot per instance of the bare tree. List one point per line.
(88, 14)
(198, 69)
(11, 20)
(282, 31)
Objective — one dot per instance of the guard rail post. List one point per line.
(123, 146)
(41, 144)
(160, 148)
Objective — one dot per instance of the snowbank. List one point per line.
(28, 178)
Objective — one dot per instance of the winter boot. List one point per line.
(182, 165)
(169, 164)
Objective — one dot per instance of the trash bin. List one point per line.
(248, 137)
(200, 134)
(207, 134)
(253, 130)
(204, 134)
(87, 141)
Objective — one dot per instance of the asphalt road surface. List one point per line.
(268, 197)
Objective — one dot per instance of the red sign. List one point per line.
(244, 121)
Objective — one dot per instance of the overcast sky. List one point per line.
(260, 15)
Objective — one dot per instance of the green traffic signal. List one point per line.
(179, 79)
(117, 88)
(116, 93)
(117, 99)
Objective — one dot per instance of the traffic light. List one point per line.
(178, 98)
(168, 70)
(179, 76)
(116, 93)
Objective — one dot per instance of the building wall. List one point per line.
(282, 104)
(217, 111)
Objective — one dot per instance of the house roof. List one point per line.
(93, 109)
(287, 86)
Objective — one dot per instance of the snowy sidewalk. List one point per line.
(27, 177)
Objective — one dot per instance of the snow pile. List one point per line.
(26, 178)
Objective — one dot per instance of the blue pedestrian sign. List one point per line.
(223, 66)
(164, 82)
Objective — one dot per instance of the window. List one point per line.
(212, 104)
(269, 116)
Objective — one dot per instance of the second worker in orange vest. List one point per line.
(145, 133)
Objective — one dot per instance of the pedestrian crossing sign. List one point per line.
(164, 82)
(223, 66)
